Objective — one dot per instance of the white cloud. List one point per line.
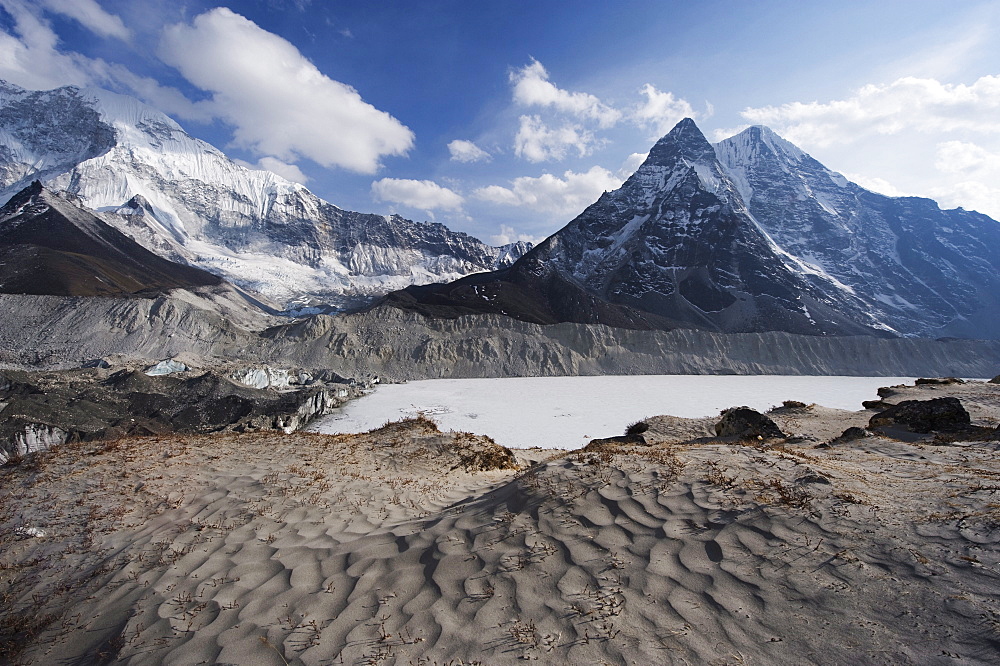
(90, 15)
(533, 88)
(509, 235)
(29, 57)
(466, 151)
(875, 184)
(424, 195)
(568, 195)
(971, 195)
(920, 105)
(277, 101)
(631, 165)
(913, 136)
(965, 157)
(661, 111)
(977, 175)
(537, 142)
(286, 171)
(164, 98)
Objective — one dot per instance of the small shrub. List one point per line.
(490, 457)
(636, 428)
(790, 405)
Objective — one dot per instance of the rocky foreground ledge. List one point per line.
(43, 409)
(408, 545)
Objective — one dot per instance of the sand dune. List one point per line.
(410, 546)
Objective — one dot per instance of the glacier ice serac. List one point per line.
(187, 201)
(747, 235)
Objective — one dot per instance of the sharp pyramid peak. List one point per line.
(684, 131)
(686, 141)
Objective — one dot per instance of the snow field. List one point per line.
(566, 412)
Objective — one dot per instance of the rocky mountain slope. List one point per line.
(918, 269)
(396, 345)
(749, 235)
(185, 200)
(50, 246)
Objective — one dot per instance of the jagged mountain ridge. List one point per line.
(920, 269)
(673, 247)
(184, 199)
(49, 246)
(751, 234)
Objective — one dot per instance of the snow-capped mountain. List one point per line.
(184, 199)
(748, 235)
(50, 245)
(918, 269)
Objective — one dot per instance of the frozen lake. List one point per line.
(566, 412)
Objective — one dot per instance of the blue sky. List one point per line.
(505, 119)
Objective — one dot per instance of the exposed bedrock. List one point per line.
(55, 332)
(39, 410)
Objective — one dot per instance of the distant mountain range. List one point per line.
(185, 200)
(747, 235)
(750, 234)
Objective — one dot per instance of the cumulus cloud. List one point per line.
(467, 151)
(29, 56)
(661, 111)
(90, 15)
(976, 172)
(921, 105)
(424, 195)
(916, 136)
(966, 157)
(286, 171)
(533, 88)
(277, 101)
(547, 193)
(169, 100)
(509, 235)
(875, 184)
(566, 122)
(631, 165)
(537, 142)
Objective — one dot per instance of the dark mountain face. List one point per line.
(751, 234)
(49, 245)
(673, 247)
(918, 269)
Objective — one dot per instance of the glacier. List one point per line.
(186, 200)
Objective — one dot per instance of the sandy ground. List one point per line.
(396, 547)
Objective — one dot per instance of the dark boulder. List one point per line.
(851, 434)
(923, 416)
(995, 380)
(620, 439)
(746, 423)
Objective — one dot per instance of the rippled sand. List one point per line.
(397, 547)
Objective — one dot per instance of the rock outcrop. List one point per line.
(923, 416)
(53, 332)
(40, 410)
(747, 423)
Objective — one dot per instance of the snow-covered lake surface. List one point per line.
(566, 412)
